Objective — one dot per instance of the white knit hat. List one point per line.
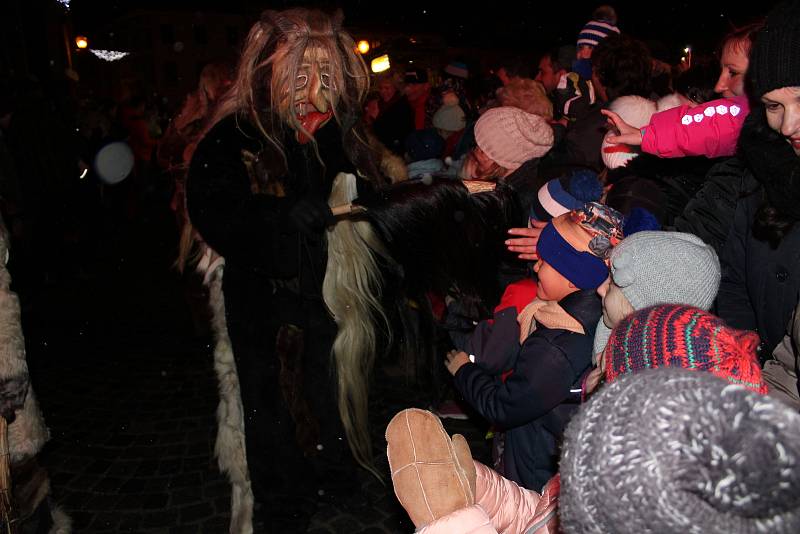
(634, 110)
(510, 136)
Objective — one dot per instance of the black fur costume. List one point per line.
(240, 195)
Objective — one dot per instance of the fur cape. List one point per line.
(230, 443)
(27, 433)
(417, 236)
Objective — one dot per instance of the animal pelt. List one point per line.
(416, 236)
(443, 236)
(230, 444)
(229, 448)
(31, 486)
(352, 291)
(27, 432)
(62, 523)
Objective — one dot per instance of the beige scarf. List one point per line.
(547, 313)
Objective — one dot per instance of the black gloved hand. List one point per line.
(311, 216)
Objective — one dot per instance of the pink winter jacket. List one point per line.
(502, 507)
(711, 129)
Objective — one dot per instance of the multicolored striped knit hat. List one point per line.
(670, 335)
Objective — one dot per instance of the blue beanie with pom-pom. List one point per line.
(560, 195)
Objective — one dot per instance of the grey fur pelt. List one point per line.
(230, 445)
(62, 523)
(27, 434)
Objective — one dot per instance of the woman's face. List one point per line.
(734, 65)
(783, 114)
(478, 166)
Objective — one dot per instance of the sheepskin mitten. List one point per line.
(432, 475)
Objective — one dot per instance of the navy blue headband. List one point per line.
(583, 269)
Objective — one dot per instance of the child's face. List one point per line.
(552, 284)
(615, 305)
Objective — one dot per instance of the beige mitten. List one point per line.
(429, 478)
(464, 457)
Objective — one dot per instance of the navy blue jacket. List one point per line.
(534, 404)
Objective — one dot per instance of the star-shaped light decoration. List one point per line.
(109, 55)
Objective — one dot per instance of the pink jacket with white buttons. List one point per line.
(710, 129)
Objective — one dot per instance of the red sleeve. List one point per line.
(710, 130)
(519, 294)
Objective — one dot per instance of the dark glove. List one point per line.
(311, 216)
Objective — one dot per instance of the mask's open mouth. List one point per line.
(311, 120)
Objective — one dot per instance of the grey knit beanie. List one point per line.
(678, 451)
(662, 268)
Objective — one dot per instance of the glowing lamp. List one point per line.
(380, 64)
(81, 42)
(363, 47)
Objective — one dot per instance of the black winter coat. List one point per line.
(578, 145)
(760, 285)
(760, 275)
(710, 213)
(534, 404)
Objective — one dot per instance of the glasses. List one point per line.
(302, 80)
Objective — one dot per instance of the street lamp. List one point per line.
(81, 42)
(363, 47)
(380, 64)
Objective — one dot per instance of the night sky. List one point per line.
(523, 25)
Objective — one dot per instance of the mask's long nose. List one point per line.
(316, 94)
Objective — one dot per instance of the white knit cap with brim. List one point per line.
(510, 136)
(634, 110)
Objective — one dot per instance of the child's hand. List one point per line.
(525, 246)
(454, 360)
(593, 380)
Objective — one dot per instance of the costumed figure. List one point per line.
(26, 431)
(257, 193)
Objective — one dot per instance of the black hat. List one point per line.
(775, 60)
